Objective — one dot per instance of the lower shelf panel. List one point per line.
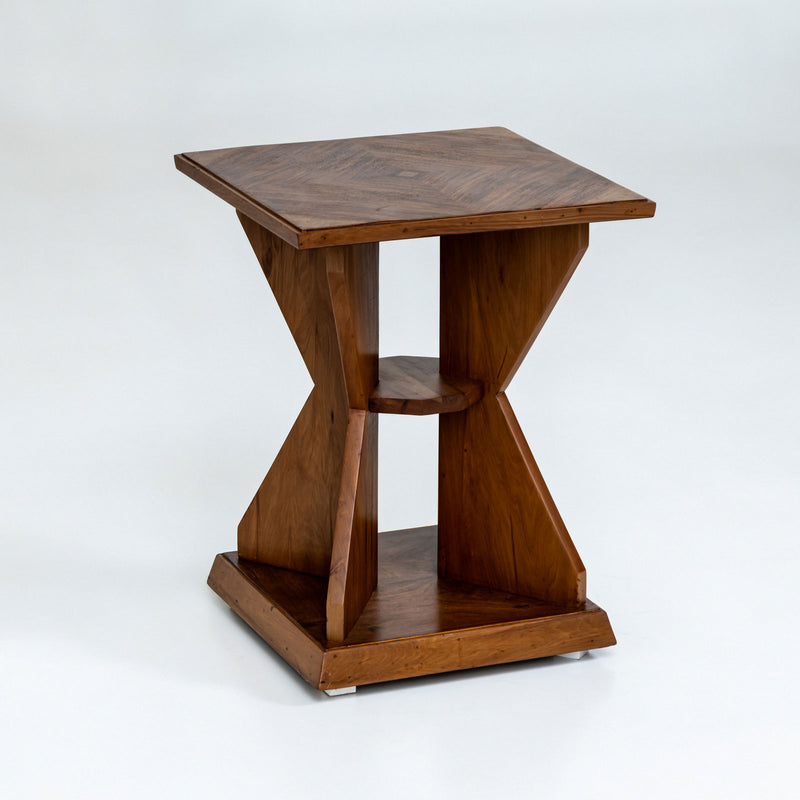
(414, 624)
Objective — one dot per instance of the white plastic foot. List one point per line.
(337, 692)
(576, 655)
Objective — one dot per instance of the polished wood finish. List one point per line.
(319, 498)
(499, 580)
(415, 623)
(353, 570)
(290, 521)
(353, 287)
(354, 559)
(318, 194)
(498, 525)
(414, 385)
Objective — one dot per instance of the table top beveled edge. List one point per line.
(303, 238)
(307, 239)
(476, 223)
(241, 202)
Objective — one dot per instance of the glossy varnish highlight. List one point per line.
(414, 385)
(344, 191)
(498, 524)
(415, 623)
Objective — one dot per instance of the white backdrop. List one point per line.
(147, 380)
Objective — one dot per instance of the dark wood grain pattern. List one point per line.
(290, 521)
(316, 510)
(562, 631)
(353, 284)
(498, 525)
(415, 623)
(315, 194)
(414, 385)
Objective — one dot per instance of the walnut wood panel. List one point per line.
(315, 194)
(413, 600)
(353, 282)
(414, 385)
(292, 519)
(566, 632)
(415, 623)
(498, 525)
(354, 560)
(497, 290)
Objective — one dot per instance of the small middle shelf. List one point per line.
(413, 385)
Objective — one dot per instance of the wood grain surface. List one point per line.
(498, 525)
(414, 385)
(296, 516)
(415, 623)
(353, 284)
(290, 521)
(346, 191)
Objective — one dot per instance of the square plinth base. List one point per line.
(415, 623)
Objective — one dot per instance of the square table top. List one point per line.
(346, 191)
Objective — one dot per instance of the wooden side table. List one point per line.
(499, 578)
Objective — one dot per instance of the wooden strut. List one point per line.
(498, 525)
(316, 510)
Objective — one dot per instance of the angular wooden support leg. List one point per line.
(353, 281)
(316, 510)
(498, 525)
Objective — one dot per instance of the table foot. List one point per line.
(576, 655)
(337, 692)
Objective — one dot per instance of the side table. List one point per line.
(498, 579)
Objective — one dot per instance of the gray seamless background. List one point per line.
(148, 380)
